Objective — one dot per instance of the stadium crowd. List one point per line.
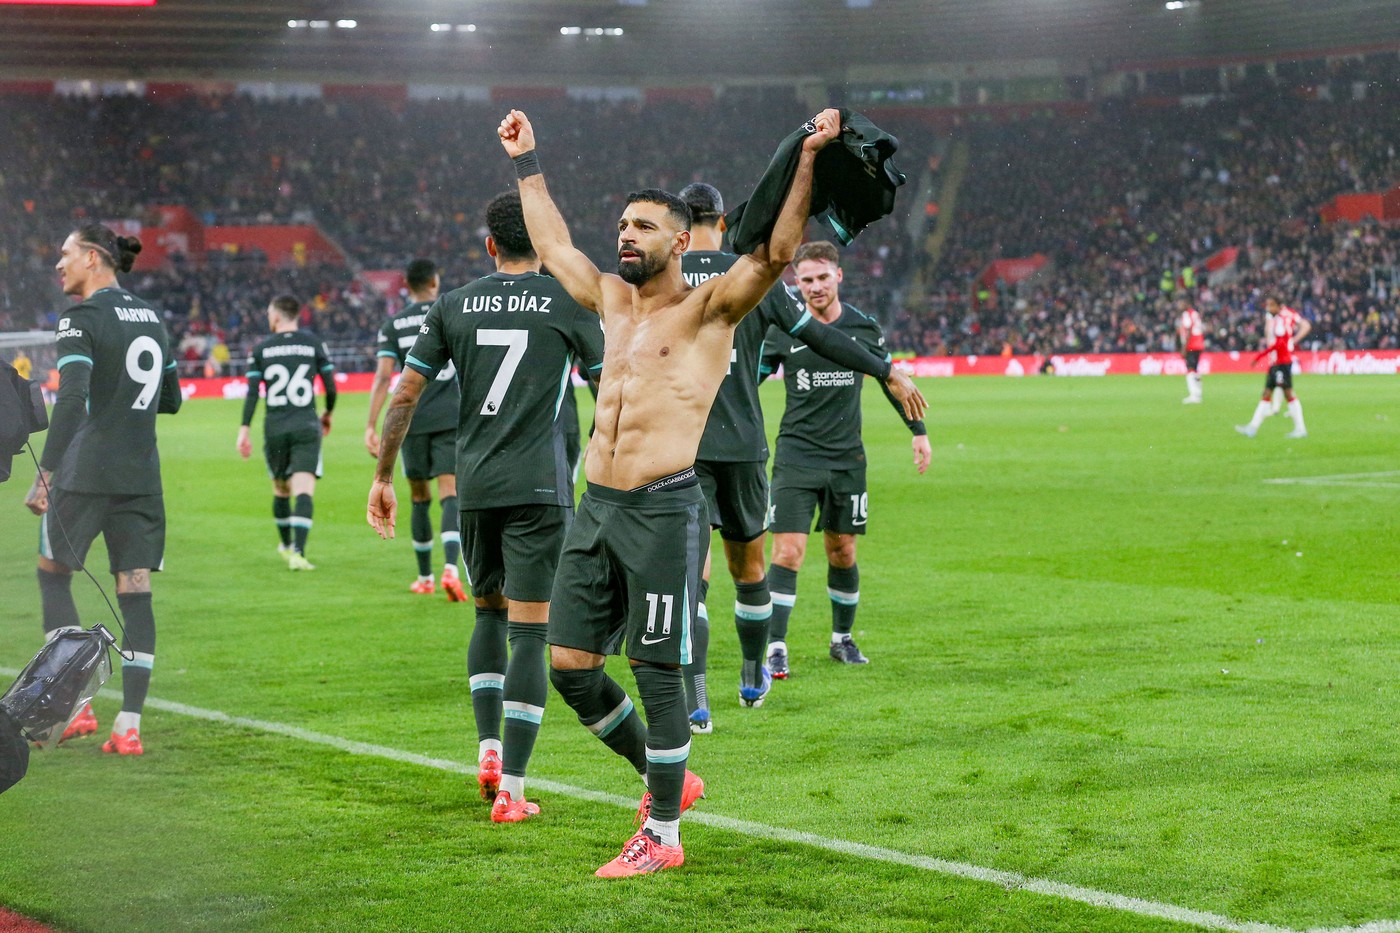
(1132, 196)
(1127, 201)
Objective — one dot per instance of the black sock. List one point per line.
(697, 695)
(605, 710)
(526, 690)
(421, 526)
(782, 582)
(753, 611)
(56, 597)
(282, 518)
(301, 522)
(139, 621)
(668, 737)
(486, 669)
(843, 586)
(451, 532)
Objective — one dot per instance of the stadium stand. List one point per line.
(1116, 195)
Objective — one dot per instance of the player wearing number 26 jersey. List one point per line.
(100, 472)
(288, 363)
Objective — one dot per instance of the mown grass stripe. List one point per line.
(1011, 881)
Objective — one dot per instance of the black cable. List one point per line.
(48, 492)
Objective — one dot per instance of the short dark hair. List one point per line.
(287, 305)
(505, 221)
(676, 209)
(818, 250)
(119, 252)
(420, 274)
(706, 205)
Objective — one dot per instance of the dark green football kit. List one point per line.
(430, 447)
(115, 375)
(288, 364)
(513, 340)
(630, 571)
(733, 456)
(820, 461)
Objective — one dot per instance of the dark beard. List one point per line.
(640, 272)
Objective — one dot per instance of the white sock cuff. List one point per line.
(487, 681)
(514, 785)
(668, 831)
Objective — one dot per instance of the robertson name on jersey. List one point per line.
(288, 364)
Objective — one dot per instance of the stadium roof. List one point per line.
(661, 41)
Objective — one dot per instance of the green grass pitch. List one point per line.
(1106, 653)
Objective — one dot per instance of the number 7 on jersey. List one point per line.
(515, 342)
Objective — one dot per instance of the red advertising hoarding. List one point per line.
(1323, 362)
(78, 2)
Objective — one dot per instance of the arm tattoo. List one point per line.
(395, 427)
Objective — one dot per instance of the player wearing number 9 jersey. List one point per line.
(100, 472)
(288, 362)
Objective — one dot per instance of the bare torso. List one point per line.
(662, 367)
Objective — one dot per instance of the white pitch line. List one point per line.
(1011, 881)
(1360, 480)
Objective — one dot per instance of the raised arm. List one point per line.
(748, 280)
(548, 232)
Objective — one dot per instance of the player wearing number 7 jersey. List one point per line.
(288, 363)
(513, 337)
(100, 472)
